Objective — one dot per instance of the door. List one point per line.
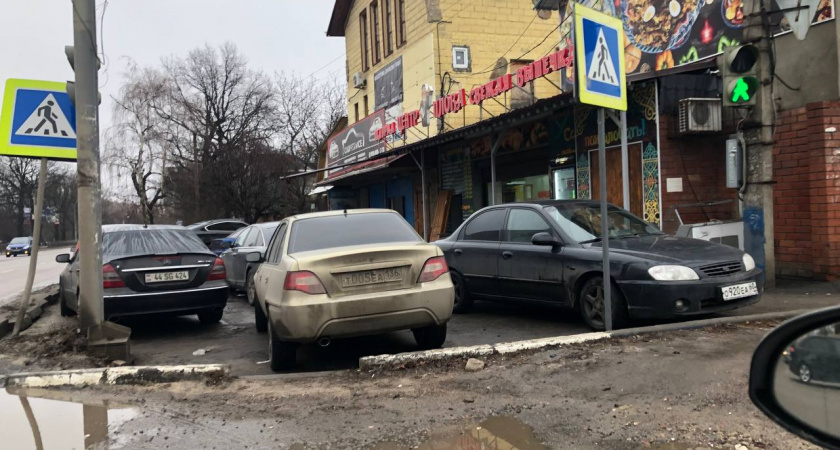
(528, 271)
(475, 255)
(233, 263)
(271, 274)
(615, 193)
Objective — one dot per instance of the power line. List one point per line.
(325, 65)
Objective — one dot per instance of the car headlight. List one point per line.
(749, 262)
(673, 273)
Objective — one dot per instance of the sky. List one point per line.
(275, 35)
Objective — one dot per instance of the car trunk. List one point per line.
(158, 273)
(367, 268)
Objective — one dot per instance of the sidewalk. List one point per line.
(790, 295)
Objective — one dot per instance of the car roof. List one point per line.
(539, 203)
(137, 227)
(210, 222)
(267, 224)
(341, 212)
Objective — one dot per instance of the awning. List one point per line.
(361, 168)
(320, 190)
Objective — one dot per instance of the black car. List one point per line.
(151, 269)
(239, 271)
(209, 230)
(550, 252)
(816, 358)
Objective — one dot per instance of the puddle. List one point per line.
(53, 420)
(495, 433)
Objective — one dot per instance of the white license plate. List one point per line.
(371, 277)
(739, 291)
(162, 277)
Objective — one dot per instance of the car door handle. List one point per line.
(457, 251)
(507, 255)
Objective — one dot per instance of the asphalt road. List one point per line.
(13, 272)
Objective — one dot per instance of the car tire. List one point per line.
(210, 316)
(591, 304)
(463, 302)
(62, 304)
(281, 355)
(804, 373)
(250, 288)
(429, 338)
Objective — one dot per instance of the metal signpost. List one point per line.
(38, 121)
(601, 82)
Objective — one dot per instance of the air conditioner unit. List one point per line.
(359, 80)
(699, 115)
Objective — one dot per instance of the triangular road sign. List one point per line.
(602, 68)
(799, 19)
(47, 120)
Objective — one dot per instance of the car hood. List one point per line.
(16, 246)
(668, 249)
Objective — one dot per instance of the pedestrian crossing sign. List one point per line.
(38, 120)
(599, 44)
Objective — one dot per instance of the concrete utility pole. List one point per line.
(758, 198)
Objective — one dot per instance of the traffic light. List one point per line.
(739, 69)
(71, 86)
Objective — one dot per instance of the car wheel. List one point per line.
(591, 303)
(463, 301)
(210, 316)
(429, 338)
(281, 355)
(250, 288)
(62, 304)
(804, 373)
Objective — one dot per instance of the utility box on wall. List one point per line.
(734, 163)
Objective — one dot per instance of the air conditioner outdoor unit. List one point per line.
(359, 80)
(699, 115)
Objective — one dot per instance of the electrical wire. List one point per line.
(326, 65)
(84, 24)
(514, 42)
(524, 54)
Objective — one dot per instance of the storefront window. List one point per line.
(564, 183)
(521, 189)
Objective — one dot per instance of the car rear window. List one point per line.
(319, 233)
(125, 244)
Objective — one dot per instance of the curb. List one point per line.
(116, 376)
(402, 360)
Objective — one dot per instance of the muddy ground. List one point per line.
(679, 390)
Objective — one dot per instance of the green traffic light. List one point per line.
(741, 91)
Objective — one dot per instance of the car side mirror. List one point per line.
(544, 238)
(794, 377)
(253, 257)
(63, 258)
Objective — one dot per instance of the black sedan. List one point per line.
(240, 273)
(550, 252)
(209, 230)
(151, 269)
(816, 358)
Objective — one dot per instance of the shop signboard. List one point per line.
(388, 84)
(662, 35)
(356, 143)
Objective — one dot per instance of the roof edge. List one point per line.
(339, 17)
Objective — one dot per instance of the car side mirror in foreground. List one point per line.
(544, 238)
(795, 376)
(253, 257)
(62, 258)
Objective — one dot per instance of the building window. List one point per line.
(461, 58)
(374, 32)
(388, 33)
(521, 96)
(365, 101)
(356, 111)
(365, 46)
(400, 22)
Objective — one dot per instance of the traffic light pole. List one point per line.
(758, 197)
(103, 338)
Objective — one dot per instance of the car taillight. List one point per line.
(303, 281)
(433, 268)
(218, 271)
(791, 349)
(110, 278)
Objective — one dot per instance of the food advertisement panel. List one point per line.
(663, 34)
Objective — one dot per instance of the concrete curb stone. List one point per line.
(32, 314)
(116, 376)
(391, 362)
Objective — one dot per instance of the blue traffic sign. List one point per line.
(602, 79)
(38, 120)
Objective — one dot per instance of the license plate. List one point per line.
(371, 277)
(163, 277)
(739, 291)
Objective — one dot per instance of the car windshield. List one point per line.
(582, 222)
(21, 240)
(347, 230)
(125, 244)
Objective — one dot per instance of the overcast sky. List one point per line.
(275, 35)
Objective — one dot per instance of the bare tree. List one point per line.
(136, 145)
(18, 179)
